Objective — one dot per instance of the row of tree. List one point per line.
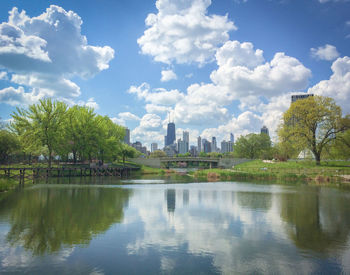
(51, 128)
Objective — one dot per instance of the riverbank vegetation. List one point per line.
(304, 171)
(53, 131)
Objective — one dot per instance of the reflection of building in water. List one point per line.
(171, 199)
(185, 197)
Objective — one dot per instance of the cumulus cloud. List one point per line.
(327, 52)
(168, 75)
(3, 76)
(34, 50)
(158, 96)
(250, 76)
(182, 31)
(338, 85)
(149, 130)
(13, 96)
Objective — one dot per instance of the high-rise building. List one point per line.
(127, 136)
(154, 147)
(138, 146)
(232, 138)
(186, 139)
(226, 146)
(199, 144)
(213, 144)
(171, 136)
(181, 146)
(206, 146)
(264, 130)
(302, 96)
(193, 151)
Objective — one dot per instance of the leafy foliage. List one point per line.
(313, 123)
(253, 146)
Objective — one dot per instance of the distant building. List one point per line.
(206, 146)
(182, 146)
(127, 136)
(170, 150)
(302, 96)
(154, 147)
(213, 144)
(226, 146)
(193, 151)
(199, 144)
(138, 146)
(171, 135)
(264, 130)
(232, 138)
(186, 139)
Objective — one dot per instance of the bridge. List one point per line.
(213, 162)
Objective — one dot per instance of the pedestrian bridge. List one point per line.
(165, 162)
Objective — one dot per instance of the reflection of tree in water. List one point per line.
(43, 220)
(319, 219)
(254, 200)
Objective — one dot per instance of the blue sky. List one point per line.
(216, 66)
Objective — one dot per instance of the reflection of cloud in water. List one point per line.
(240, 227)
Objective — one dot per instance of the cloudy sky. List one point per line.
(217, 66)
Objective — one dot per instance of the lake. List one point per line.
(174, 226)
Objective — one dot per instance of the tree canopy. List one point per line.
(51, 127)
(253, 146)
(313, 123)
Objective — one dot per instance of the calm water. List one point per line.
(190, 228)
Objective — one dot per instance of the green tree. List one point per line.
(109, 139)
(9, 143)
(80, 132)
(313, 123)
(253, 146)
(127, 151)
(40, 125)
(157, 154)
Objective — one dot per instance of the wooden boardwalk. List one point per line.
(32, 173)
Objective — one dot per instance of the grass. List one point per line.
(291, 171)
(146, 170)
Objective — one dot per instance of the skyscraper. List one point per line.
(127, 136)
(213, 144)
(264, 130)
(186, 139)
(171, 136)
(199, 144)
(154, 147)
(232, 138)
(206, 146)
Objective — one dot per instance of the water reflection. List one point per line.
(193, 228)
(45, 219)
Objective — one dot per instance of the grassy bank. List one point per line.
(292, 171)
(145, 170)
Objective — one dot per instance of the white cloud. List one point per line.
(13, 96)
(35, 51)
(282, 74)
(157, 109)
(92, 104)
(3, 76)
(338, 85)
(128, 116)
(182, 31)
(327, 52)
(158, 96)
(149, 130)
(168, 75)
(325, 1)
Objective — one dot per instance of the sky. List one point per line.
(214, 67)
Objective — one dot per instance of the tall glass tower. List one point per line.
(170, 137)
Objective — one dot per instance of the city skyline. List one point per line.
(215, 66)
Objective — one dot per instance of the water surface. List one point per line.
(151, 227)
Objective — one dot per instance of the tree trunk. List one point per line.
(74, 157)
(50, 157)
(318, 158)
